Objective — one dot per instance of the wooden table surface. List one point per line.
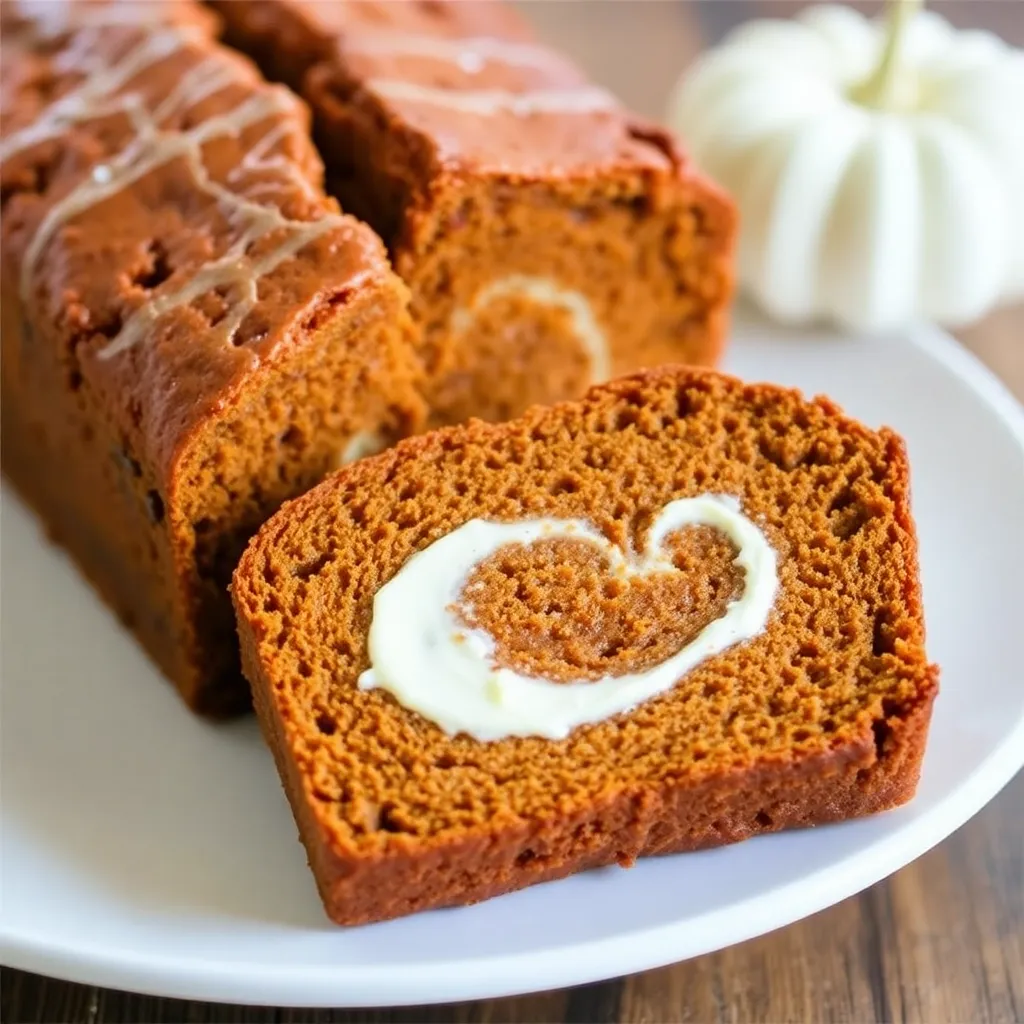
(940, 941)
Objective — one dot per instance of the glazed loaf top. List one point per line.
(460, 85)
(163, 210)
(300, 33)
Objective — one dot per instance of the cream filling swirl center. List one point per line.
(434, 664)
(545, 292)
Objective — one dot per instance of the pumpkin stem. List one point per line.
(881, 88)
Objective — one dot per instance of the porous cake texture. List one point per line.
(549, 238)
(192, 332)
(822, 716)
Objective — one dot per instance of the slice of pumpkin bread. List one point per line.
(678, 613)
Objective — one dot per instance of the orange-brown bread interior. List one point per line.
(596, 202)
(154, 465)
(821, 717)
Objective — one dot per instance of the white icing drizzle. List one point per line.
(54, 18)
(424, 654)
(262, 159)
(95, 96)
(203, 80)
(486, 102)
(235, 274)
(471, 53)
(234, 271)
(545, 292)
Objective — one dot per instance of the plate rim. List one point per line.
(355, 986)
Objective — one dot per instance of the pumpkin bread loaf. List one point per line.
(821, 715)
(548, 237)
(192, 332)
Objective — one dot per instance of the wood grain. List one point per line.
(940, 941)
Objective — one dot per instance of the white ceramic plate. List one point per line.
(146, 850)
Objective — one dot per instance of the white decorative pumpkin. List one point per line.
(878, 168)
